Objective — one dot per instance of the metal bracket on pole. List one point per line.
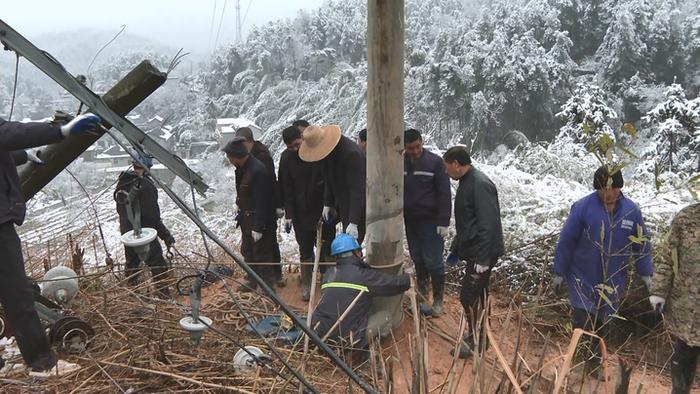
(51, 67)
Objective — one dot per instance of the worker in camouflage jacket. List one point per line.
(150, 217)
(676, 286)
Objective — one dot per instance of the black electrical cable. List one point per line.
(250, 272)
(14, 88)
(259, 334)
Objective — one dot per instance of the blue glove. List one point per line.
(452, 259)
(288, 226)
(80, 124)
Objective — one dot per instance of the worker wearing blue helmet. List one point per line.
(351, 278)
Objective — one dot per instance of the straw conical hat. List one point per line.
(318, 142)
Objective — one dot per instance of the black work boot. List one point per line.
(465, 347)
(247, 286)
(438, 292)
(683, 367)
(423, 281)
(306, 276)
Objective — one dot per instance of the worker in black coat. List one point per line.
(257, 217)
(258, 150)
(138, 181)
(344, 173)
(349, 279)
(16, 293)
(479, 239)
(302, 186)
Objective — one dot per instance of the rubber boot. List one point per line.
(247, 286)
(465, 347)
(683, 366)
(306, 275)
(423, 281)
(438, 292)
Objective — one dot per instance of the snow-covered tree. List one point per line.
(587, 117)
(623, 53)
(676, 134)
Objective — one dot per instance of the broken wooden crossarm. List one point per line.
(51, 67)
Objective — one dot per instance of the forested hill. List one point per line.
(473, 69)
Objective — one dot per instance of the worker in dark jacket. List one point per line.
(427, 204)
(349, 279)
(138, 181)
(479, 238)
(344, 169)
(258, 221)
(16, 293)
(302, 184)
(262, 153)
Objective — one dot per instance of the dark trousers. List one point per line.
(473, 297)
(17, 299)
(154, 261)
(262, 251)
(589, 348)
(683, 366)
(425, 246)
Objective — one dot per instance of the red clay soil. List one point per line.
(440, 361)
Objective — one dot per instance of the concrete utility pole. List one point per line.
(134, 88)
(385, 128)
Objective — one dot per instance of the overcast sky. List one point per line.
(177, 23)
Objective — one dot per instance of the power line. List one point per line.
(211, 25)
(221, 22)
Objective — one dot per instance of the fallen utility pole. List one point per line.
(129, 92)
(385, 128)
(51, 67)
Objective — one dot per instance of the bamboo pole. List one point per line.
(312, 297)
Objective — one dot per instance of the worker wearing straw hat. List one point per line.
(344, 168)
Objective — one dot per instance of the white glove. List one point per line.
(480, 269)
(80, 124)
(34, 158)
(442, 231)
(256, 236)
(647, 281)
(280, 213)
(657, 303)
(352, 230)
(409, 269)
(326, 214)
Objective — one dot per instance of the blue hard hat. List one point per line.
(146, 159)
(344, 243)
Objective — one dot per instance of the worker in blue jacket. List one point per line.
(604, 233)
